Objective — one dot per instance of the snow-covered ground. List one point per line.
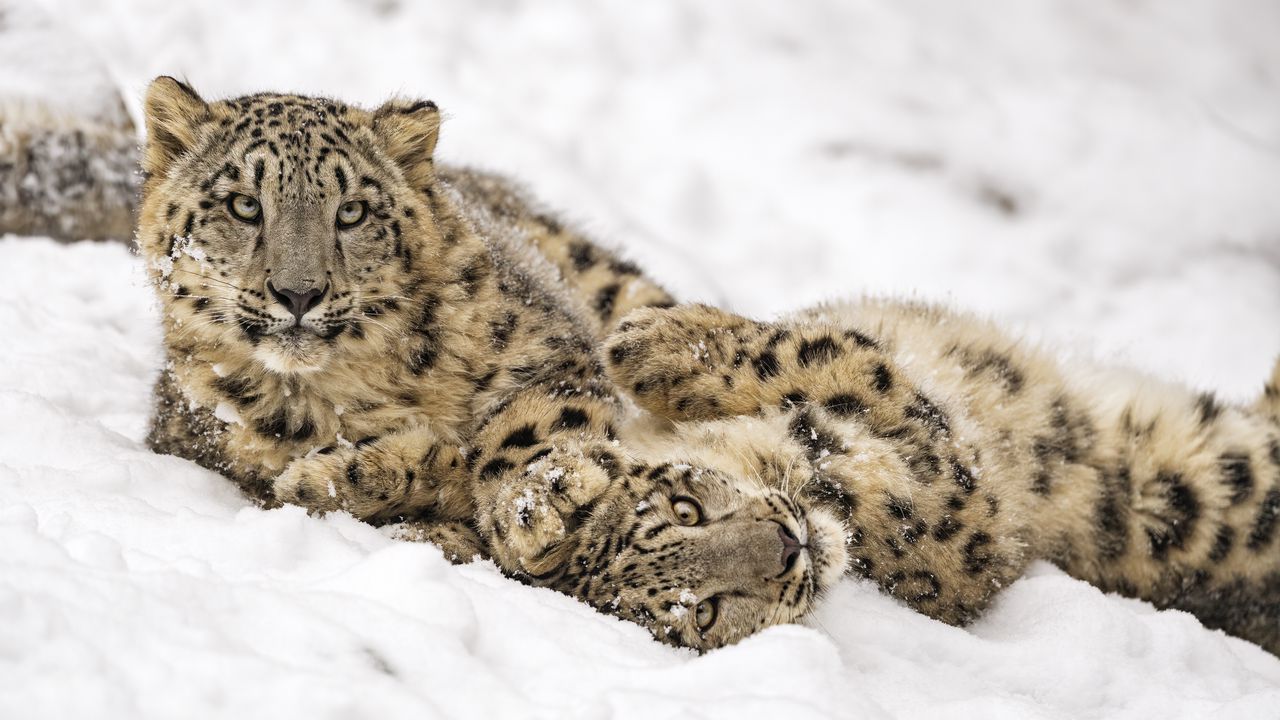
(1104, 175)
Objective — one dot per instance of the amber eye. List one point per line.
(706, 613)
(244, 207)
(687, 510)
(350, 213)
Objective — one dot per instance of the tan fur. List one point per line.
(447, 380)
(952, 455)
(444, 357)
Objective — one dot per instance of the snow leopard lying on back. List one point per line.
(923, 449)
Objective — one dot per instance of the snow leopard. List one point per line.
(926, 450)
(350, 326)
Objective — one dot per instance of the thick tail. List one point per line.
(1187, 508)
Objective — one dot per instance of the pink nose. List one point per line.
(791, 547)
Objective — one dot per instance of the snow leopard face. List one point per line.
(281, 224)
(703, 557)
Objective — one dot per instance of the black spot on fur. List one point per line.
(817, 351)
(996, 365)
(238, 388)
(500, 331)
(946, 528)
(766, 365)
(1177, 526)
(815, 437)
(582, 255)
(495, 467)
(898, 507)
(624, 267)
(1264, 526)
(833, 494)
(1207, 407)
(845, 405)
(275, 425)
(883, 378)
(474, 273)
(606, 298)
(794, 398)
(931, 416)
(930, 588)
(522, 437)
(1111, 515)
(1237, 474)
(963, 476)
(1222, 543)
(571, 418)
(975, 560)
(911, 534)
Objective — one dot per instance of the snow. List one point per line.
(1102, 175)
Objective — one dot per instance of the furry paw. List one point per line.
(665, 357)
(341, 480)
(533, 512)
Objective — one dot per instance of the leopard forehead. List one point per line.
(289, 149)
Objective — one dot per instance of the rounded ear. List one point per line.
(408, 131)
(172, 111)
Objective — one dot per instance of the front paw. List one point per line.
(314, 483)
(345, 479)
(668, 358)
(537, 510)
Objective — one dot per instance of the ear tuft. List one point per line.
(409, 131)
(173, 110)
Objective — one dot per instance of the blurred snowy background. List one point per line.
(1104, 176)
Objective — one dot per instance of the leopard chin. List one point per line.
(828, 547)
(292, 352)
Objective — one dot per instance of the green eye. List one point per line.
(350, 213)
(244, 207)
(706, 613)
(687, 510)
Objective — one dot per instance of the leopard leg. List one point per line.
(695, 362)
(399, 474)
(539, 462)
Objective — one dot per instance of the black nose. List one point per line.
(791, 548)
(298, 303)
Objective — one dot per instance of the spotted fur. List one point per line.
(450, 349)
(928, 451)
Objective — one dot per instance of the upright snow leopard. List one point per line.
(350, 326)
